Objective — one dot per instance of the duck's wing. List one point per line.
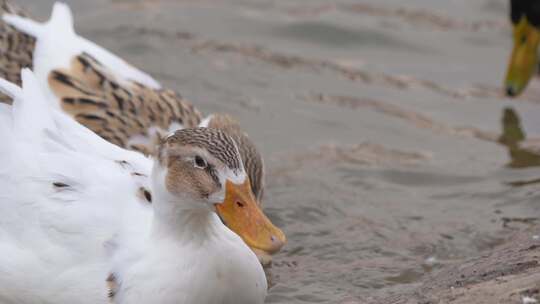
(100, 90)
(65, 194)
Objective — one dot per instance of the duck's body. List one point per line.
(72, 215)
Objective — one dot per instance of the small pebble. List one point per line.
(431, 261)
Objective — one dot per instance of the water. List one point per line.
(381, 123)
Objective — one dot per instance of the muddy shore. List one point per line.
(506, 274)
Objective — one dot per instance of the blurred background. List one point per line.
(391, 150)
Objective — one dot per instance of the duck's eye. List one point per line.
(200, 162)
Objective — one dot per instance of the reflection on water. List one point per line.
(512, 132)
(511, 137)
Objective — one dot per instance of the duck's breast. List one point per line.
(222, 272)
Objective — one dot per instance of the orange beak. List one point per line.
(524, 60)
(241, 213)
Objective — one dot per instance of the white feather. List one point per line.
(205, 121)
(52, 237)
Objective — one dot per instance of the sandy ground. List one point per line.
(380, 122)
(507, 274)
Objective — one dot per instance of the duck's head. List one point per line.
(251, 158)
(525, 16)
(202, 169)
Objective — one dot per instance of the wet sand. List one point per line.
(507, 274)
(380, 123)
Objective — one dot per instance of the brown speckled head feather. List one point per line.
(252, 159)
(215, 141)
(179, 152)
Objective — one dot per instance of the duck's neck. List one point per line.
(180, 218)
(181, 221)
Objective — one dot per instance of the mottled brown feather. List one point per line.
(117, 111)
(16, 49)
(112, 286)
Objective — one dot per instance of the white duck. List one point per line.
(72, 214)
(122, 104)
